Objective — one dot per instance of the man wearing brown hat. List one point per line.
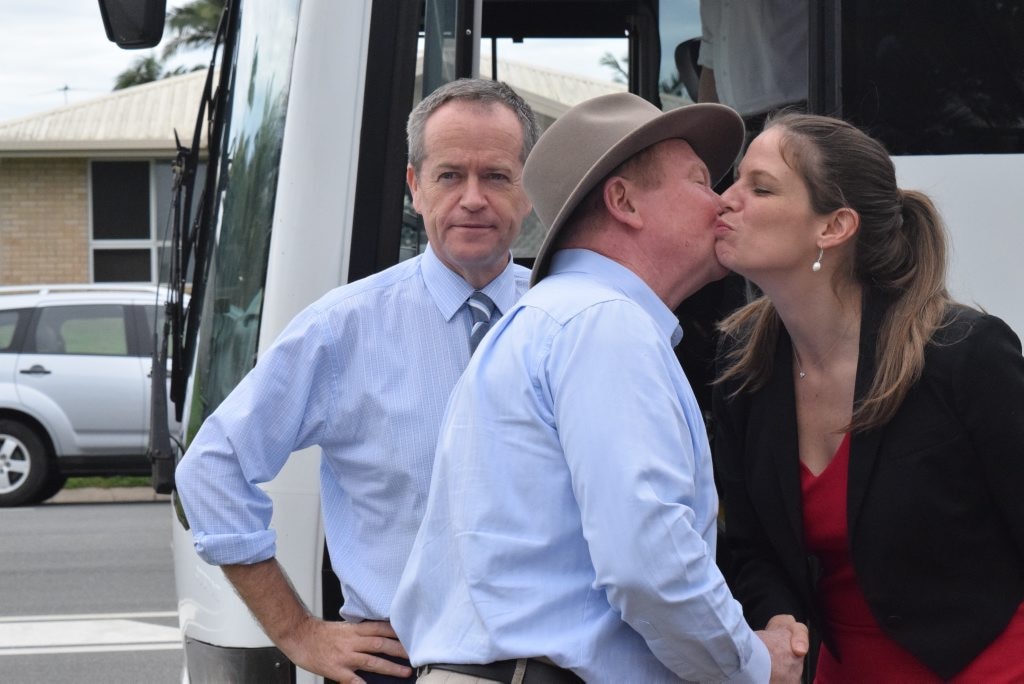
(570, 528)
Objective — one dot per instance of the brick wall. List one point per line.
(44, 221)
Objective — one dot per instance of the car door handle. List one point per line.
(36, 370)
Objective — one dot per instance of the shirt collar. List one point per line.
(622, 279)
(449, 291)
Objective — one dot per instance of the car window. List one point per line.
(8, 323)
(92, 329)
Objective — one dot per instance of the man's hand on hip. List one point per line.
(332, 649)
(337, 649)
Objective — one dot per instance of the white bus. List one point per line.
(304, 188)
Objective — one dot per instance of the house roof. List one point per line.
(141, 120)
(137, 120)
(550, 93)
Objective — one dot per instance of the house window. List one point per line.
(122, 265)
(120, 200)
(122, 234)
(131, 203)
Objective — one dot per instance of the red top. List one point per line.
(866, 651)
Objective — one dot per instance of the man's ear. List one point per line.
(619, 201)
(841, 227)
(414, 188)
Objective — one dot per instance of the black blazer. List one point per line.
(935, 498)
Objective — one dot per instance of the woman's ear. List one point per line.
(842, 225)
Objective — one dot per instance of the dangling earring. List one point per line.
(816, 266)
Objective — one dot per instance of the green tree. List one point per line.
(193, 26)
(620, 73)
(142, 70)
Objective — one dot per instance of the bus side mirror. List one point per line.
(134, 24)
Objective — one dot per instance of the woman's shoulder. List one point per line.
(963, 324)
(971, 344)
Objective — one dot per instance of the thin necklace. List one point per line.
(796, 355)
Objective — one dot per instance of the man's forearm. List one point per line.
(707, 88)
(270, 597)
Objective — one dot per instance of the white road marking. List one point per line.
(89, 616)
(97, 633)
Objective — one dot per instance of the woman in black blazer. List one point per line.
(869, 432)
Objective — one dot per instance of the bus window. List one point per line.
(556, 60)
(552, 75)
(680, 31)
(254, 135)
(936, 77)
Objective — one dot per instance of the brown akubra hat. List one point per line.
(590, 140)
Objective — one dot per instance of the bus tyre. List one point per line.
(25, 466)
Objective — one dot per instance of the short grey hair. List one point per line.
(479, 90)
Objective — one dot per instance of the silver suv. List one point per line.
(74, 385)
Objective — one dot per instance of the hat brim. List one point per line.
(714, 131)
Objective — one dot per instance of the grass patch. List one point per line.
(107, 482)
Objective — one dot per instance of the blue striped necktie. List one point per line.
(480, 307)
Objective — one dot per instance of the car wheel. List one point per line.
(53, 485)
(24, 464)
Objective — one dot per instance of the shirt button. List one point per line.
(894, 621)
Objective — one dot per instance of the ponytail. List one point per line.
(915, 273)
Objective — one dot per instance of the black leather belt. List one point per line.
(537, 671)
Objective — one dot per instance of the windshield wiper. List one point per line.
(189, 244)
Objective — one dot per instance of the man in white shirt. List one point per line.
(754, 55)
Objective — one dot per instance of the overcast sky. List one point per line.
(49, 45)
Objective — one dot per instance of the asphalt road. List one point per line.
(87, 593)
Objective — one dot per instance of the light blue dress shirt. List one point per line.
(572, 508)
(365, 372)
